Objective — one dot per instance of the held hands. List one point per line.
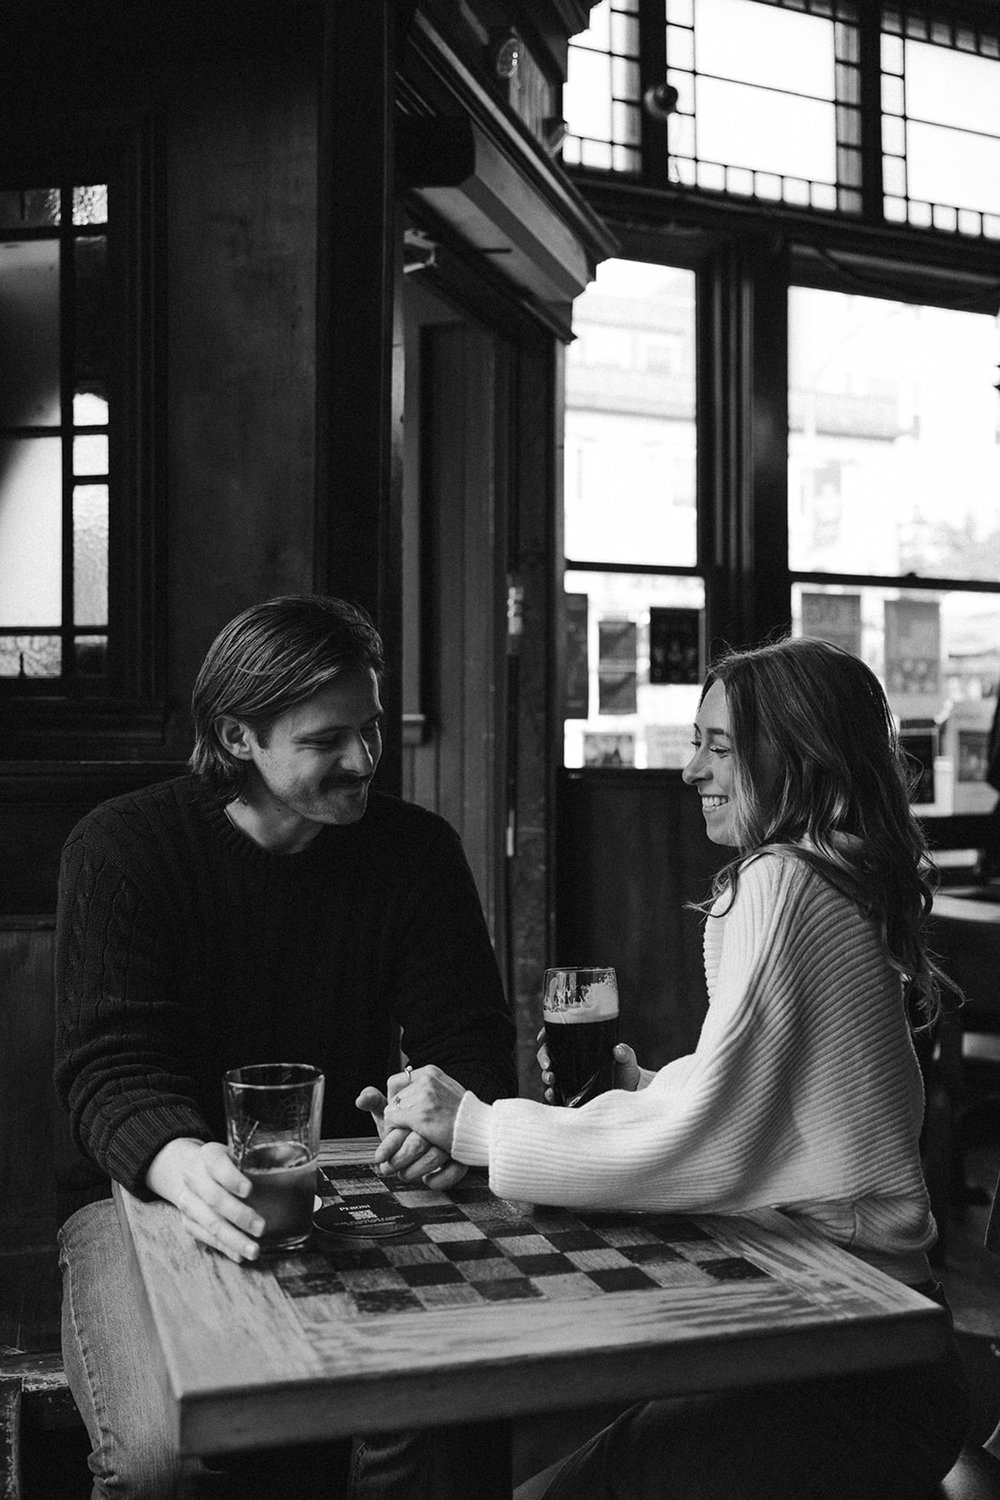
(416, 1119)
(626, 1075)
(202, 1180)
(416, 1132)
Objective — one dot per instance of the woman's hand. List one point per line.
(410, 1153)
(201, 1179)
(626, 1068)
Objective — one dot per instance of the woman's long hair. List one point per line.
(811, 727)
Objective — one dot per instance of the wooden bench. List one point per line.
(43, 1443)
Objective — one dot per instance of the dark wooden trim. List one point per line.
(359, 385)
(440, 81)
(944, 269)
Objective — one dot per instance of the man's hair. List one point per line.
(267, 660)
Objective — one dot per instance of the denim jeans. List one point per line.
(881, 1435)
(112, 1374)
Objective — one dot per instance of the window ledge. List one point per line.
(63, 728)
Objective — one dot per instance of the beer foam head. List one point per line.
(580, 995)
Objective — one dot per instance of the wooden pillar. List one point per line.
(358, 543)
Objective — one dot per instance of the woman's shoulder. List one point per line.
(783, 868)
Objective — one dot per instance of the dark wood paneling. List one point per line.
(461, 771)
(27, 1105)
(631, 851)
(40, 802)
(359, 363)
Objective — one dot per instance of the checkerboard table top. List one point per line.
(470, 1248)
(485, 1308)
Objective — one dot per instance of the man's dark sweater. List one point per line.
(184, 949)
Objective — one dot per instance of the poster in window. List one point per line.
(919, 742)
(608, 749)
(577, 704)
(973, 754)
(674, 645)
(616, 667)
(833, 617)
(913, 646)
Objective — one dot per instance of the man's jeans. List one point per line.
(112, 1373)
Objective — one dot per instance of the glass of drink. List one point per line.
(580, 1012)
(273, 1125)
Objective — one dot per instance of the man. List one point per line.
(266, 907)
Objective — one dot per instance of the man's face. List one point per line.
(317, 760)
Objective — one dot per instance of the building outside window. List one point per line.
(794, 123)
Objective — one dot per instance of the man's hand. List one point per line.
(413, 1154)
(201, 1179)
(626, 1068)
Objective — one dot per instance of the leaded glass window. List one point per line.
(891, 113)
(54, 435)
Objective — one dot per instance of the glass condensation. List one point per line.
(90, 204)
(30, 656)
(894, 461)
(614, 714)
(29, 333)
(630, 451)
(30, 532)
(90, 554)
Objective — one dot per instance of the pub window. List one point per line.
(80, 431)
(55, 422)
(634, 591)
(894, 538)
(890, 112)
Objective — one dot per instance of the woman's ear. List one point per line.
(234, 736)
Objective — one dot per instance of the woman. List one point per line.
(803, 1093)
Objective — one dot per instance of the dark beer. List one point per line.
(580, 1011)
(580, 1055)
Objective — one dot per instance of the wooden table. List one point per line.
(262, 1354)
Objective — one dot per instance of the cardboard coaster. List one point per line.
(370, 1217)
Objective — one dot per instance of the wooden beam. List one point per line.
(358, 540)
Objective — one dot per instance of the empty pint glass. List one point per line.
(273, 1115)
(580, 1012)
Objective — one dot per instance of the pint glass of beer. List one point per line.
(580, 1012)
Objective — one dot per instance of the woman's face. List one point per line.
(710, 769)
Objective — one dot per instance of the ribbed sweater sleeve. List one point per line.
(803, 1087)
(120, 1021)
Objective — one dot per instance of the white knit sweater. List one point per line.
(803, 1093)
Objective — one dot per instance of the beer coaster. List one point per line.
(372, 1217)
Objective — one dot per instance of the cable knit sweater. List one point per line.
(803, 1093)
(184, 949)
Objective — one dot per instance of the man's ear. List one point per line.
(234, 736)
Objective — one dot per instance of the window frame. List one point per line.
(124, 710)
